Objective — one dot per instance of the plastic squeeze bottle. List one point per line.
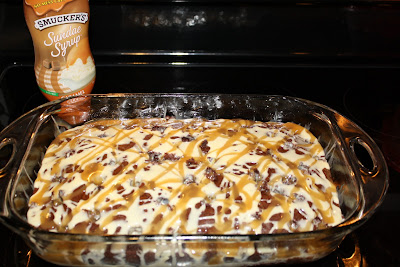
(64, 64)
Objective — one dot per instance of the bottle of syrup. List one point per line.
(64, 64)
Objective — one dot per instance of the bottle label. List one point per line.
(64, 64)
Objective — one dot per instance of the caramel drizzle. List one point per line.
(183, 193)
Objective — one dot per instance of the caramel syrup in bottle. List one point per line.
(64, 64)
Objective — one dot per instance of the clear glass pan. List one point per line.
(361, 190)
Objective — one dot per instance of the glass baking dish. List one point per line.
(361, 189)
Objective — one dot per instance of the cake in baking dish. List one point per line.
(191, 176)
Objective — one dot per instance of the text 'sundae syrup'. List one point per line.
(64, 64)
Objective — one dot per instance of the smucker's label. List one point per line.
(64, 64)
(44, 23)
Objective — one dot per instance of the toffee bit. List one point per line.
(265, 201)
(299, 152)
(124, 147)
(199, 204)
(239, 199)
(281, 149)
(276, 217)
(320, 187)
(147, 168)
(187, 138)
(280, 231)
(71, 168)
(145, 198)
(208, 211)
(120, 167)
(148, 137)
(171, 157)
(298, 215)
(79, 194)
(266, 227)
(192, 163)
(119, 217)
(214, 176)
(104, 157)
(204, 147)
(261, 152)
(120, 189)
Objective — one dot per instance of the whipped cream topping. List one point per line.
(79, 74)
(193, 176)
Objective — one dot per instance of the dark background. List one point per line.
(343, 54)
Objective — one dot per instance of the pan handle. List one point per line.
(14, 140)
(7, 151)
(375, 178)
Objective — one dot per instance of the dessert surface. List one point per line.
(192, 176)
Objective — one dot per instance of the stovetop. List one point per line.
(338, 53)
(372, 245)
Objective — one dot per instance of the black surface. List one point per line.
(338, 53)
